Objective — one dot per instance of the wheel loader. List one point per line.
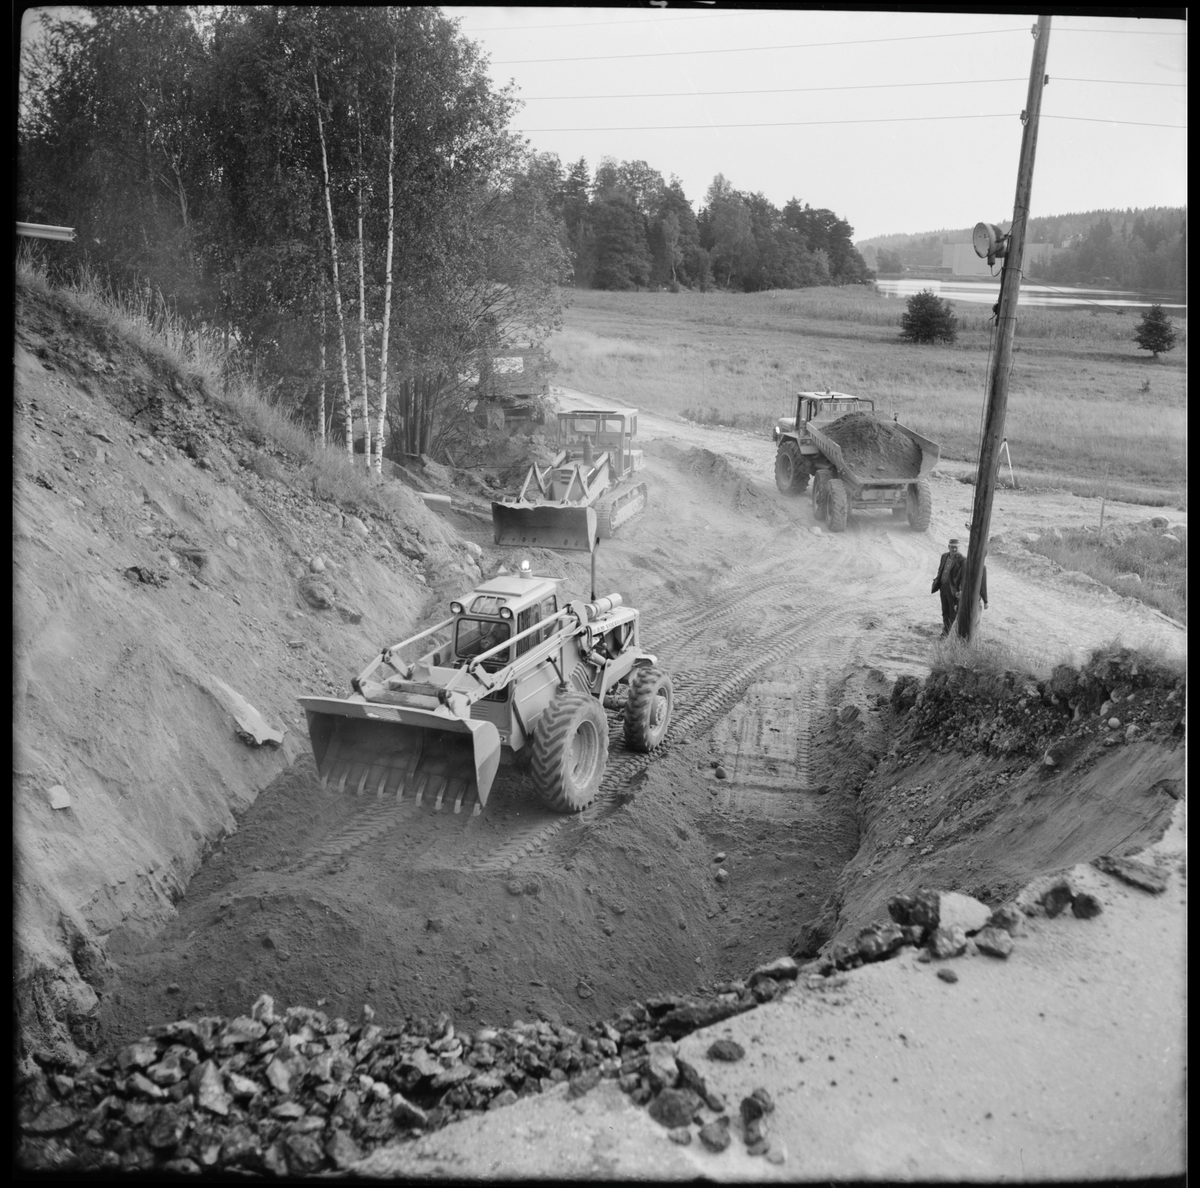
(841, 483)
(585, 493)
(511, 670)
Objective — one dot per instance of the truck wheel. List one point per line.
(920, 506)
(791, 468)
(839, 505)
(648, 709)
(570, 752)
(820, 495)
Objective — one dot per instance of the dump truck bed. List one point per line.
(930, 453)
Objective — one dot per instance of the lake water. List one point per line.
(987, 292)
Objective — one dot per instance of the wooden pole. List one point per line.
(1010, 285)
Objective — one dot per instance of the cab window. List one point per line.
(473, 637)
(532, 615)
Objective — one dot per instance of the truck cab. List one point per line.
(820, 407)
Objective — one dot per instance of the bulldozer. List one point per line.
(510, 671)
(585, 493)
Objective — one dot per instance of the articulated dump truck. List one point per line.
(509, 670)
(856, 460)
(586, 492)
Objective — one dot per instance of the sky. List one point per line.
(898, 122)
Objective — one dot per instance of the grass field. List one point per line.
(1086, 407)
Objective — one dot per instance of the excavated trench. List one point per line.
(696, 864)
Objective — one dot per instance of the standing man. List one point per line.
(949, 581)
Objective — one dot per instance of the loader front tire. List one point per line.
(648, 709)
(839, 506)
(570, 752)
(791, 468)
(920, 505)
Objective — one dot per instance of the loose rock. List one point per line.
(715, 1135)
(948, 942)
(956, 910)
(725, 1049)
(995, 942)
(674, 1107)
(1007, 916)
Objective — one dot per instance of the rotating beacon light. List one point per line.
(990, 242)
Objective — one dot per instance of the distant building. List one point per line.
(961, 260)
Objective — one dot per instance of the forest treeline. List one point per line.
(1129, 249)
(627, 228)
(337, 193)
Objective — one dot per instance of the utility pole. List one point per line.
(1010, 286)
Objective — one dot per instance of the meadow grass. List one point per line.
(1084, 404)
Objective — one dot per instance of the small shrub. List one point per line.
(927, 318)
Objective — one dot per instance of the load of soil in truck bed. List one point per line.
(875, 449)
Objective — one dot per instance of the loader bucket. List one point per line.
(544, 526)
(427, 756)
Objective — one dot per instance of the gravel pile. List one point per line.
(295, 1093)
(875, 449)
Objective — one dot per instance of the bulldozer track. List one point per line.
(684, 641)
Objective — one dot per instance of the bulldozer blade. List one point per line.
(405, 754)
(544, 526)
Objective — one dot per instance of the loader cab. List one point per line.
(602, 431)
(498, 610)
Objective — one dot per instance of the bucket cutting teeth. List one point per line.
(433, 760)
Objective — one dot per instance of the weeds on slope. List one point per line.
(1138, 561)
(145, 323)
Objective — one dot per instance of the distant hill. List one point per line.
(1139, 248)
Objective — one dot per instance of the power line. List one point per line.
(755, 48)
(1003, 115)
(674, 20)
(955, 82)
(773, 90)
(1116, 82)
(1101, 120)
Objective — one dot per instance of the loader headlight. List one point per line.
(506, 612)
(456, 608)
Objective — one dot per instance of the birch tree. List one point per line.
(377, 458)
(348, 411)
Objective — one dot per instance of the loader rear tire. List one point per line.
(791, 469)
(839, 506)
(648, 709)
(919, 502)
(570, 752)
(820, 495)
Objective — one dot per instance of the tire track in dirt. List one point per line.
(684, 649)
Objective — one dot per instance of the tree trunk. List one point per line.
(348, 409)
(362, 300)
(321, 399)
(387, 288)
